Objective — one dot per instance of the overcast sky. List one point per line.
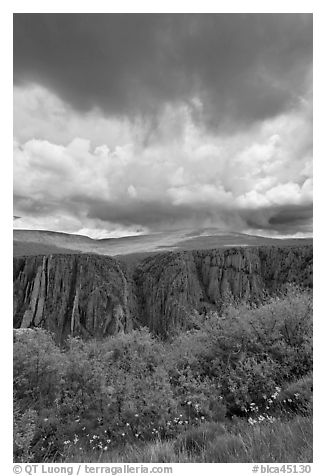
(128, 123)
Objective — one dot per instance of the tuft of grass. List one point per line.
(286, 442)
(196, 439)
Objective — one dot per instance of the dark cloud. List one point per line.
(154, 214)
(294, 215)
(162, 215)
(285, 219)
(243, 68)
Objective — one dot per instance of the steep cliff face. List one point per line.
(171, 286)
(91, 295)
(85, 295)
(168, 290)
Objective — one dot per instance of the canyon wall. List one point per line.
(86, 295)
(95, 296)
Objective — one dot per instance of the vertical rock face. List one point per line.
(237, 274)
(168, 287)
(73, 294)
(172, 286)
(250, 273)
(282, 265)
(92, 295)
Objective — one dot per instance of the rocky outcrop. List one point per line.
(86, 295)
(91, 295)
(173, 285)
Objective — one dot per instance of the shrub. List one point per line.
(38, 368)
(253, 363)
(24, 429)
(296, 397)
(245, 354)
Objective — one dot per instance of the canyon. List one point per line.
(94, 296)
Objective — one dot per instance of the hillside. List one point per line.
(34, 242)
(92, 295)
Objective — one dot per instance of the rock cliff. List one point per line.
(92, 295)
(86, 295)
(171, 286)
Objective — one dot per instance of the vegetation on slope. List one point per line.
(238, 388)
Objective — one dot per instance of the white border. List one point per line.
(168, 6)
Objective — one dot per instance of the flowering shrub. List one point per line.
(246, 353)
(251, 363)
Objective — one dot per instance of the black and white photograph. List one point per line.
(162, 240)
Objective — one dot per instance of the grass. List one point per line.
(281, 442)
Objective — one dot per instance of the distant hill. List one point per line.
(25, 248)
(37, 242)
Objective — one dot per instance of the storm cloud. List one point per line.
(239, 67)
(141, 122)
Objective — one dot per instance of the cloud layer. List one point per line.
(184, 176)
(134, 123)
